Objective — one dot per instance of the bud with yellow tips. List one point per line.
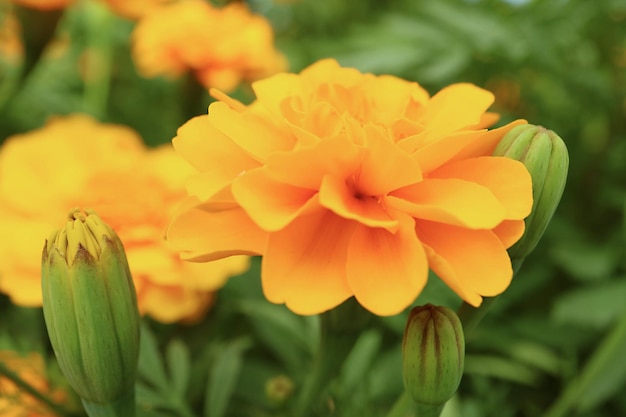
(90, 309)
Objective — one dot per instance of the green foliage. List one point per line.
(553, 343)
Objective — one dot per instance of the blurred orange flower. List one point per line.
(222, 46)
(14, 402)
(11, 49)
(351, 184)
(44, 4)
(135, 9)
(76, 161)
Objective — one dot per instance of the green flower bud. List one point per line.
(433, 353)
(90, 309)
(545, 156)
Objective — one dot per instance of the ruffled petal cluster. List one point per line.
(351, 184)
(14, 401)
(78, 162)
(222, 46)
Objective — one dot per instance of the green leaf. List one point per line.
(223, 378)
(595, 306)
(150, 365)
(179, 366)
(502, 368)
(359, 363)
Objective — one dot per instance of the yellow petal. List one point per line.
(450, 201)
(386, 271)
(271, 204)
(218, 158)
(203, 233)
(474, 263)
(305, 263)
(255, 135)
(455, 107)
(508, 180)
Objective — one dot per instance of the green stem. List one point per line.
(99, 59)
(471, 316)
(402, 407)
(340, 329)
(26, 387)
(609, 352)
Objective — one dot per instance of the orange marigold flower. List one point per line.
(222, 46)
(76, 161)
(135, 9)
(351, 184)
(14, 402)
(44, 4)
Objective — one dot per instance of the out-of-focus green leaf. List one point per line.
(223, 378)
(594, 306)
(358, 364)
(150, 365)
(502, 368)
(179, 367)
(586, 261)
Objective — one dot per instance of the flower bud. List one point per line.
(433, 352)
(545, 156)
(90, 309)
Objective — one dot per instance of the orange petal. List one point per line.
(473, 263)
(489, 141)
(306, 167)
(386, 271)
(509, 232)
(454, 107)
(217, 157)
(305, 263)
(385, 166)
(338, 197)
(450, 201)
(271, 204)
(506, 178)
(253, 134)
(203, 233)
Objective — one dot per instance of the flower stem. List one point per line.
(25, 386)
(340, 329)
(471, 316)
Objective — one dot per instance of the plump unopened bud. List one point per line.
(545, 156)
(433, 353)
(90, 309)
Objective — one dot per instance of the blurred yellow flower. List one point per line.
(44, 4)
(351, 184)
(76, 161)
(14, 402)
(223, 47)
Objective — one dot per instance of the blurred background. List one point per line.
(553, 345)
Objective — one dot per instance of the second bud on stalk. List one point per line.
(91, 314)
(433, 355)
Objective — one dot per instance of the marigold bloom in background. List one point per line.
(135, 9)
(14, 402)
(76, 161)
(44, 4)
(11, 49)
(223, 47)
(351, 184)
